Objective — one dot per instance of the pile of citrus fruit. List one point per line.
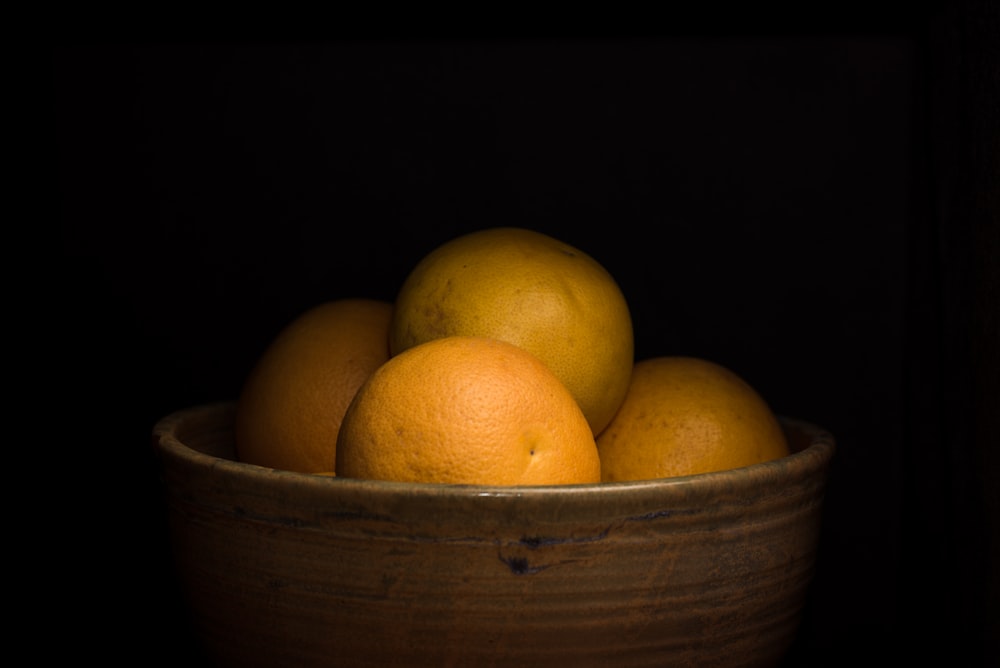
(507, 358)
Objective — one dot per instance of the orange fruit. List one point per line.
(466, 410)
(684, 415)
(531, 290)
(292, 401)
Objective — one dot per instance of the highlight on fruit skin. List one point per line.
(534, 291)
(683, 416)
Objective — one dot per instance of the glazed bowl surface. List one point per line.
(290, 569)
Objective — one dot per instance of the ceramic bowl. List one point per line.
(289, 569)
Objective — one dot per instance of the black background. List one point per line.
(814, 206)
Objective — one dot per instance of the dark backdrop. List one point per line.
(813, 208)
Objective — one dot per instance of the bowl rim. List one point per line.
(809, 462)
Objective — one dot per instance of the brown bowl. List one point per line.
(290, 569)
